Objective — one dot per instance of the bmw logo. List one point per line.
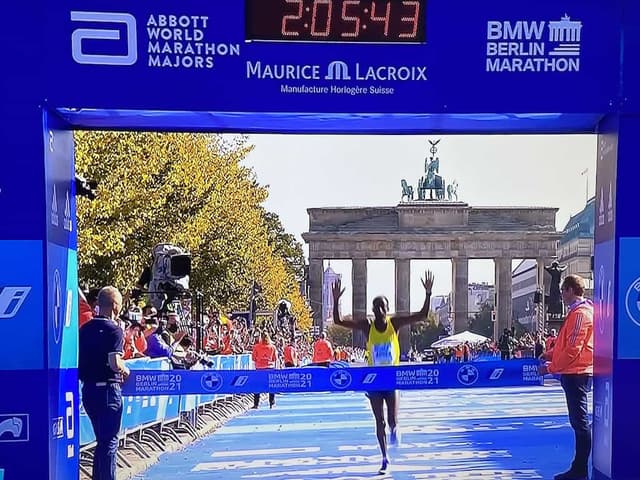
(211, 382)
(632, 302)
(340, 379)
(468, 375)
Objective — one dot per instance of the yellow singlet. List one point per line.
(383, 347)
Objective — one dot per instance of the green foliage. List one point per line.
(190, 190)
(340, 336)
(423, 334)
(482, 323)
(285, 245)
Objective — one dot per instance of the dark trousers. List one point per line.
(505, 355)
(256, 399)
(576, 388)
(103, 405)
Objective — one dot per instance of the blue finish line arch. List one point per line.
(447, 66)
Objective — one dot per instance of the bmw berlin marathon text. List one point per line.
(534, 46)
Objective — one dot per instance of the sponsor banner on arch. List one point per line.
(390, 57)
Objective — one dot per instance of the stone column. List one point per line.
(403, 300)
(359, 298)
(504, 295)
(315, 290)
(460, 294)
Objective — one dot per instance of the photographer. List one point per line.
(160, 343)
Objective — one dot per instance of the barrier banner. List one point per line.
(144, 410)
(321, 379)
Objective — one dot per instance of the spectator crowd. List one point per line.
(508, 346)
(171, 334)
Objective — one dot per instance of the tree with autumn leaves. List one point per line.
(190, 190)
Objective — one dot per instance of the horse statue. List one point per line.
(452, 190)
(437, 186)
(407, 190)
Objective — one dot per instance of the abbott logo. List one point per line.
(338, 71)
(11, 299)
(113, 33)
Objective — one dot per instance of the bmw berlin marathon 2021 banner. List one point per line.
(320, 379)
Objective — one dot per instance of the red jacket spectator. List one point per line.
(264, 353)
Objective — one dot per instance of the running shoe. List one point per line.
(384, 469)
(395, 437)
(570, 475)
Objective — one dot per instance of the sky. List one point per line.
(307, 171)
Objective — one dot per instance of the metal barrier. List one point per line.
(149, 421)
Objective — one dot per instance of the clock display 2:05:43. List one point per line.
(364, 21)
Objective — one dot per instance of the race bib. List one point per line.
(383, 354)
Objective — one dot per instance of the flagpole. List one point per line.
(586, 172)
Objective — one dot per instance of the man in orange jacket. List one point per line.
(322, 351)
(264, 356)
(572, 358)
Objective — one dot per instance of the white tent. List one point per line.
(459, 338)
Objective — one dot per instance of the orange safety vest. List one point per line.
(290, 355)
(573, 350)
(322, 351)
(264, 355)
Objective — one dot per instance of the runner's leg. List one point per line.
(393, 402)
(377, 407)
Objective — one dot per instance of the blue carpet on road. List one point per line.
(479, 434)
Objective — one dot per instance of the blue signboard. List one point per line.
(24, 433)
(605, 305)
(605, 291)
(36, 426)
(629, 299)
(62, 307)
(440, 57)
(319, 379)
(63, 424)
(61, 190)
(21, 305)
(606, 178)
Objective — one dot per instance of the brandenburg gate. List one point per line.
(429, 230)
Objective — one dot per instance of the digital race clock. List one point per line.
(354, 21)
